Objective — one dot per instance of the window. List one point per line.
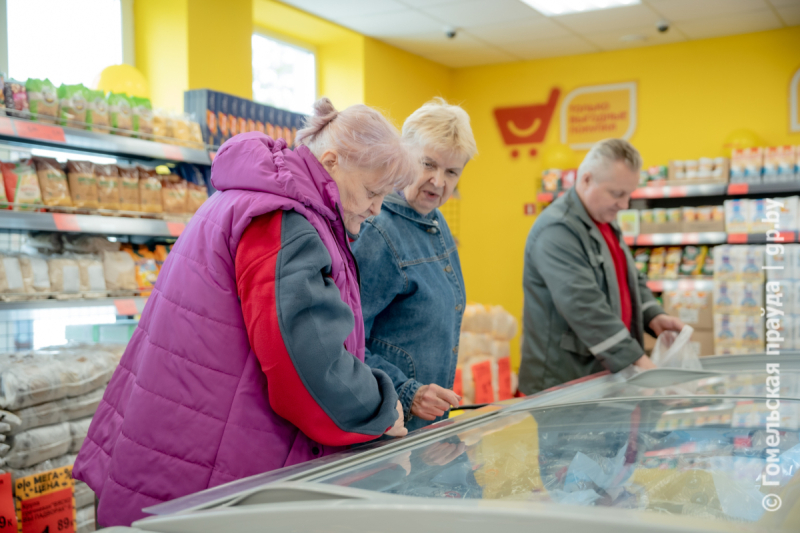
(66, 41)
(284, 76)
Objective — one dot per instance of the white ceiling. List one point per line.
(497, 31)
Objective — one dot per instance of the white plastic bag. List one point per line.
(673, 350)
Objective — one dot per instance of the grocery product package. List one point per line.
(142, 112)
(78, 430)
(146, 267)
(44, 466)
(42, 100)
(52, 182)
(85, 517)
(160, 253)
(504, 325)
(10, 276)
(82, 183)
(149, 190)
(173, 194)
(673, 350)
(97, 113)
(119, 114)
(88, 244)
(84, 496)
(476, 319)
(16, 98)
(65, 276)
(37, 445)
(73, 105)
(35, 274)
(108, 186)
(196, 135)
(180, 128)
(92, 276)
(197, 191)
(45, 414)
(129, 188)
(22, 185)
(120, 271)
(162, 125)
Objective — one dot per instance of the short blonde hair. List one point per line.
(609, 151)
(441, 126)
(363, 138)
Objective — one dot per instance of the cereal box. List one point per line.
(736, 215)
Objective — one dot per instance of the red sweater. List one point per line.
(621, 268)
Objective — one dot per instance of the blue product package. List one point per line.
(223, 103)
(233, 116)
(260, 118)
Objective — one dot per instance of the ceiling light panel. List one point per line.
(553, 8)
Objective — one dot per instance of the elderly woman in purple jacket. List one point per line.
(250, 353)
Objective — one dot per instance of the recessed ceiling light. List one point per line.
(634, 37)
(552, 8)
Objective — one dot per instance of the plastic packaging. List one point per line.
(129, 189)
(673, 350)
(120, 114)
(146, 267)
(42, 100)
(52, 182)
(10, 275)
(37, 445)
(162, 126)
(97, 114)
(73, 105)
(150, 190)
(82, 183)
(35, 274)
(22, 185)
(93, 281)
(45, 414)
(65, 277)
(504, 325)
(120, 271)
(142, 111)
(16, 98)
(180, 128)
(85, 517)
(78, 429)
(173, 194)
(84, 496)
(88, 244)
(108, 189)
(476, 319)
(50, 464)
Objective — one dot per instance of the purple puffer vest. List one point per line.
(188, 408)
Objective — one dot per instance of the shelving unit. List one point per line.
(704, 284)
(95, 224)
(27, 309)
(715, 237)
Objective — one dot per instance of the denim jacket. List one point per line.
(412, 296)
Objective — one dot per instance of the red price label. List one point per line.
(126, 307)
(173, 152)
(458, 386)
(737, 238)
(504, 378)
(8, 516)
(53, 512)
(175, 228)
(66, 222)
(45, 132)
(738, 188)
(6, 126)
(482, 377)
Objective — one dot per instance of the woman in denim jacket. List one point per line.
(411, 284)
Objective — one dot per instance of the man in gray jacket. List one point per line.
(586, 304)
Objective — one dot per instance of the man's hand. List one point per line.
(662, 323)
(398, 429)
(645, 363)
(432, 401)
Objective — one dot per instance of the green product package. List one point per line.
(97, 113)
(73, 105)
(120, 113)
(42, 99)
(142, 111)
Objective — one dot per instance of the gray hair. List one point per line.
(608, 151)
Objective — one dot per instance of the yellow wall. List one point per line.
(691, 96)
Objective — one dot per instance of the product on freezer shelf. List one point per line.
(150, 190)
(35, 274)
(120, 271)
(128, 188)
(21, 185)
(11, 281)
(73, 105)
(52, 182)
(65, 276)
(736, 212)
(42, 100)
(93, 282)
(82, 183)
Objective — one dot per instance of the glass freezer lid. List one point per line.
(701, 457)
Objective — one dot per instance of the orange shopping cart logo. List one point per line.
(526, 124)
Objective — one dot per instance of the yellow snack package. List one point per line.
(145, 267)
(108, 189)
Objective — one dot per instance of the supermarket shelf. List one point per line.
(713, 237)
(26, 309)
(28, 132)
(681, 285)
(62, 222)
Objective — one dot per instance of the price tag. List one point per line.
(45, 501)
(8, 515)
(126, 307)
(6, 126)
(504, 378)
(212, 155)
(66, 222)
(175, 228)
(44, 132)
(655, 286)
(544, 197)
(737, 238)
(482, 377)
(173, 152)
(629, 239)
(738, 188)
(458, 386)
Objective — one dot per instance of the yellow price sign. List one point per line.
(46, 502)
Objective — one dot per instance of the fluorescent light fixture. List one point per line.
(552, 8)
(62, 157)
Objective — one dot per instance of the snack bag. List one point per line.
(146, 268)
(2, 95)
(195, 135)
(97, 112)
(35, 274)
(150, 190)
(181, 128)
(642, 258)
(173, 194)
(52, 182)
(16, 98)
(120, 114)
(162, 127)
(82, 183)
(673, 261)
(128, 188)
(142, 111)
(73, 105)
(22, 185)
(42, 100)
(656, 267)
(693, 259)
(108, 195)
(120, 271)
(161, 252)
(196, 197)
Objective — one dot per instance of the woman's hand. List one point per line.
(432, 401)
(398, 429)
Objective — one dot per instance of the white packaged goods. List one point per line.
(44, 376)
(778, 266)
(55, 412)
(120, 271)
(10, 275)
(736, 212)
(787, 296)
(44, 466)
(796, 294)
(476, 319)
(65, 276)
(35, 274)
(788, 212)
(504, 325)
(78, 430)
(83, 494)
(92, 277)
(84, 519)
(34, 446)
(793, 261)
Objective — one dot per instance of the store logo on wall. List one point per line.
(526, 124)
(794, 109)
(591, 114)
